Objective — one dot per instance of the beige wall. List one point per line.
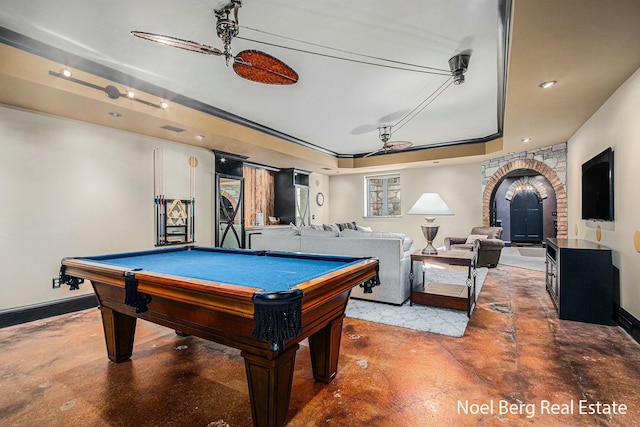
(616, 125)
(73, 189)
(319, 183)
(459, 186)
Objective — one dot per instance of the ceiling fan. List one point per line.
(385, 135)
(458, 65)
(252, 65)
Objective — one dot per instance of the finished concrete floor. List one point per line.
(516, 365)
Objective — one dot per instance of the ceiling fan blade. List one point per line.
(263, 68)
(179, 43)
(397, 145)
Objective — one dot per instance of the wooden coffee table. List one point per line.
(447, 295)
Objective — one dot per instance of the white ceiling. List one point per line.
(336, 104)
(589, 46)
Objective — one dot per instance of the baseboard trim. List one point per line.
(31, 313)
(627, 322)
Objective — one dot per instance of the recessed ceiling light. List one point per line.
(131, 94)
(547, 84)
(164, 105)
(114, 114)
(66, 73)
(525, 140)
(199, 137)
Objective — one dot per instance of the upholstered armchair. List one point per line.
(485, 241)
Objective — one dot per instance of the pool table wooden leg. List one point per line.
(324, 347)
(119, 331)
(270, 386)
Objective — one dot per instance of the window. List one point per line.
(383, 195)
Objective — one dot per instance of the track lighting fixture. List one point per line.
(110, 91)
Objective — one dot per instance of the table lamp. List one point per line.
(430, 204)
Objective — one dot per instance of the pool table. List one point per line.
(263, 303)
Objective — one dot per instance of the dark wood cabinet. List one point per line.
(580, 280)
(291, 202)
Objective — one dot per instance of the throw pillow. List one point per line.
(311, 232)
(473, 237)
(406, 243)
(347, 225)
(361, 228)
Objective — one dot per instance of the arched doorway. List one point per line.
(489, 194)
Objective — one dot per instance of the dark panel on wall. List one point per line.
(229, 164)
(29, 314)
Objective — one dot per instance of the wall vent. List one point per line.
(172, 128)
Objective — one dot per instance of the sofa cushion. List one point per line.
(406, 241)
(355, 233)
(385, 234)
(312, 232)
(462, 247)
(281, 231)
(473, 237)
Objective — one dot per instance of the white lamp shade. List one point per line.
(430, 204)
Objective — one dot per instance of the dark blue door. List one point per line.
(526, 217)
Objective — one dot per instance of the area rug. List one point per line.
(437, 320)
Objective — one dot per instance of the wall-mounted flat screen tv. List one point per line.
(597, 187)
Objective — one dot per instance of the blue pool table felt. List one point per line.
(269, 273)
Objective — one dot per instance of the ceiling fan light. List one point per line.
(384, 133)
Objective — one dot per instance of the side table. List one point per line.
(447, 295)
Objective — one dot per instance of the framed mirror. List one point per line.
(230, 207)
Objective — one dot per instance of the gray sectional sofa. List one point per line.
(393, 251)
